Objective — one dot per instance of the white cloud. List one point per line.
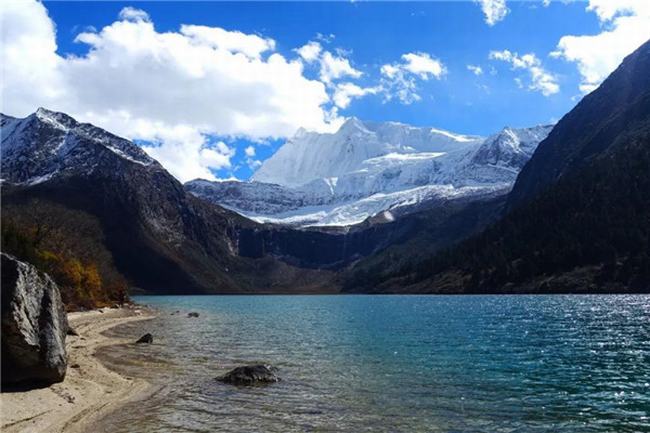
(475, 69)
(540, 80)
(29, 64)
(189, 154)
(345, 92)
(175, 88)
(399, 79)
(132, 14)
(326, 38)
(251, 162)
(626, 25)
(333, 67)
(423, 65)
(252, 46)
(494, 10)
(310, 52)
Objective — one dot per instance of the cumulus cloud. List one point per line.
(133, 14)
(399, 79)
(540, 80)
(345, 92)
(494, 10)
(252, 46)
(251, 162)
(625, 26)
(475, 69)
(174, 89)
(310, 52)
(423, 65)
(333, 67)
(29, 63)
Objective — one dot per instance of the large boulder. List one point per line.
(258, 374)
(34, 326)
(145, 339)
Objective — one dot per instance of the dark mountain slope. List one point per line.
(590, 128)
(580, 218)
(430, 232)
(160, 238)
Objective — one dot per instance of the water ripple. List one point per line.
(394, 364)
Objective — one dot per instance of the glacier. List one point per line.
(374, 170)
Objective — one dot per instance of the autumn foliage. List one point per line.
(65, 244)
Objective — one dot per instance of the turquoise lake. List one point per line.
(392, 364)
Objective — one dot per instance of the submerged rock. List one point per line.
(193, 314)
(259, 374)
(34, 326)
(146, 339)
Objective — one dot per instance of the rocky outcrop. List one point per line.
(259, 374)
(34, 326)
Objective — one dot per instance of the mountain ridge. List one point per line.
(385, 167)
(159, 237)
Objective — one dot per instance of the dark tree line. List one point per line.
(67, 245)
(597, 219)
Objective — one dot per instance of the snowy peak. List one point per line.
(366, 168)
(351, 126)
(57, 120)
(46, 144)
(310, 156)
(511, 147)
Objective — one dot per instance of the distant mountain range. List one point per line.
(368, 169)
(375, 207)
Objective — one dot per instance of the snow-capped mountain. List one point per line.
(310, 155)
(160, 237)
(48, 144)
(368, 168)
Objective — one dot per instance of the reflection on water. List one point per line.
(393, 364)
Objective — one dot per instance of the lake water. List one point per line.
(393, 364)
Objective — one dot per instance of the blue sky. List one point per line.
(367, 36)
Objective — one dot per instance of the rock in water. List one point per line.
(34, 326)
(193, 314)
(250, 375)
(146, 338)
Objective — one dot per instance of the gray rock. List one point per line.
(34, 326)
(259, 374)
(146, 339)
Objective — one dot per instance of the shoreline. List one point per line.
(90, 389)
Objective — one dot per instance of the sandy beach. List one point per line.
(89, 390)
